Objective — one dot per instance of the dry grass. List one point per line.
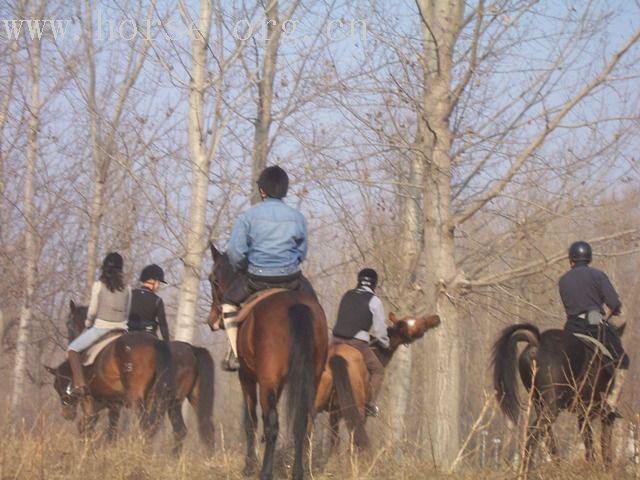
(51, 449)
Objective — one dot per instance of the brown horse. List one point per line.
(193, 370)
(133, 370)
(564, 372)
(283, 340)
(344, 385)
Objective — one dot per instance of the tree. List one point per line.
(28, 211)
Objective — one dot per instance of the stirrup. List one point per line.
(77, 392)
(230, 362)
(371, 410)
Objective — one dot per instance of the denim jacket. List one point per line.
(271, 237)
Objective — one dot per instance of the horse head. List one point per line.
(62, 386)
(75, 319)
(221, 277)
(410, 329)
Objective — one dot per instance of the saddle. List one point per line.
(253, 300)
(88, 356)
(595, 343)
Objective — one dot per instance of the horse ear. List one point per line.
(392, 317)
(51, 370)
(214, 252)
(72, 305)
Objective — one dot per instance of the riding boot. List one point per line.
(78, 388)
(229, 313)
(614, 394)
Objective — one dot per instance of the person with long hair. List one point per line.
(108, 310)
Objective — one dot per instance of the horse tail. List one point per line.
(164, 388)
(504, 365)
(205, 383)
(301, 377)
(346, 400)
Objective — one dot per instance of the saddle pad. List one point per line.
(597, 343)
(89, 355)
(253, 300)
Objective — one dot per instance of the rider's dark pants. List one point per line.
(247, 284)
(603, 332)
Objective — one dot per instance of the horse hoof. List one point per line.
(250, 468)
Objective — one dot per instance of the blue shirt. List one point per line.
(271, 237)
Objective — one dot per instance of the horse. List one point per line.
(133, 370)
(193, 370)
(344, 385)
(560, 372)
(284, 339)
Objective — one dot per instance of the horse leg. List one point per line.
(605, 440)
(271, 427)
(250, 422)
(174, 412)
(114, 419)
(552, 442)
(537, 428)
(584, 423)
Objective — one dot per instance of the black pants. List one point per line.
(606, 334)
(247, 284)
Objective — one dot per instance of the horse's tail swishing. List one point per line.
(505, 362)
(346, 400)
(205, 382)
(301, 378)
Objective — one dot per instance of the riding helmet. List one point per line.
(113, 261)
(580, 251)
(274, 181)
(152, 272)
(367, 277)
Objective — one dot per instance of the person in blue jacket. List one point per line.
(267, 245)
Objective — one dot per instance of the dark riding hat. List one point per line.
(152, 272)
(274, 181)
(113, 261)
(367, 277)
(580, 251)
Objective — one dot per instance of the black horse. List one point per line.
(565, 372)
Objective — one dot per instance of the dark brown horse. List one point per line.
(134, 370)
(344, 385)
(283, 340)
(564, 372)
(193, 379)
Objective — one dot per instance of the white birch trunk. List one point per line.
(30, 249)
(195, 232)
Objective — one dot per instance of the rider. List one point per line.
(360, 311)
(147, 308)
(267, 245)
(108, 310)
(584, 290)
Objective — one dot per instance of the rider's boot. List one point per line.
(229, 313)
(78, 387)
(611, 403)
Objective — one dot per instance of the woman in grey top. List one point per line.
(108, 310)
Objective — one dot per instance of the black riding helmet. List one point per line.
(580, 251)
(274, 181)
(152, 272)
(367, 277)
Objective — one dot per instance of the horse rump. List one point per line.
(504, 361)
(346, 401)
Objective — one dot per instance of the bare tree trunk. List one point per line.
(30, 247)
(441, 24)
(264, 114)
(410, 245)
(196, 239)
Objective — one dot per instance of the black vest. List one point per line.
(354, 314)
(144, 308)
